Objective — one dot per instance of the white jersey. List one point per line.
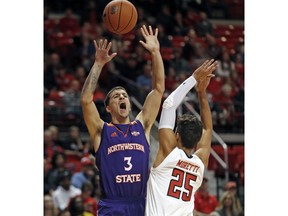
(172, 185)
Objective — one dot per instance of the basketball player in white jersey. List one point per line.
(178, 171)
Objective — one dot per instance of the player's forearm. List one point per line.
(158, 75)
(91, 83)
(168, 114)
(205, 111)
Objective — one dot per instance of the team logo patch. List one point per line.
(114, 9)
(114, 134)
(135, 133)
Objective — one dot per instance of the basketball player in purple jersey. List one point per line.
(122, 146)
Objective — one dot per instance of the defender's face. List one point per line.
(119, 103)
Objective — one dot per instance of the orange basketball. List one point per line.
(120, 16)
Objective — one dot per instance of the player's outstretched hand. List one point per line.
(102, 52)
(152, 43)
(205, 70)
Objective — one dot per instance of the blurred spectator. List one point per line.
(225, 65)
(63, 79)
(65, 191)
(204, 202)
(200, 55)
(239, 65)
(170, 79)
(46, 168)
(226, 206)
(74, 145)
(179, 63)
(76, 207)
(49, 208)
(231, 186)
(225, 100)
(89, 12)
(99, 95)
(53, 65)
(163, 36)
(204, 26)
(58, 166)
(145, 82)
(86, 174)
(96, 194)
(55, 134)
(64, 212)
(165, 18)
(216, 9)
(90, 203)
(69, 24)
(71, 99)
(80, 75)
(50, 147)
(189, 48)
(214, 50)
(179, 27)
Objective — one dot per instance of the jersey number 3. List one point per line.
(183, 178)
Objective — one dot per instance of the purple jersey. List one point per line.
(122, 160)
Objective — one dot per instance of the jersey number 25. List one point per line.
(183, 178)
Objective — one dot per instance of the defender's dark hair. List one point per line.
(190, 129)
(107, 98)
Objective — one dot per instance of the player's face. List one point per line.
(119, 103)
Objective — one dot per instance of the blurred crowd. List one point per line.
(189, 33)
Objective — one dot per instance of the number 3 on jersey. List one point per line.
(129, 167)
(183, 178)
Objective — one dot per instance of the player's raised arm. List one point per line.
(204, 145)
(153, 100)
(91, 115)
(167, 139)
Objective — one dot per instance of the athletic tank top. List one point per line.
(122, 160)
(172, 185)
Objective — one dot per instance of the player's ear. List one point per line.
(108, 109)
(178, 138)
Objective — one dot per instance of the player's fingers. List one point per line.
(95, 44)
(156, 32)
(100, 43)
(213, 66)
(209, 62)
(112, 55)
(211, 75)
(104, 44)
(150, 30)
(145, 30)
(143, 44)
(205, 63)
(109, 45)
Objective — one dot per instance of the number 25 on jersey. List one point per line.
(182, 179)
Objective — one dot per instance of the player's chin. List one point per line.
(124, 113)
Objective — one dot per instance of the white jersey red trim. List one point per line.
(172, 185)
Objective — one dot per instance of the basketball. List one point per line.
(120, 16)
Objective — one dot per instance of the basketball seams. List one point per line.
(109, 19)
(120, 20)
(119, 16)
(128, 22)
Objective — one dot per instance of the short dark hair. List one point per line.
(190, 129)
(107, 98)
